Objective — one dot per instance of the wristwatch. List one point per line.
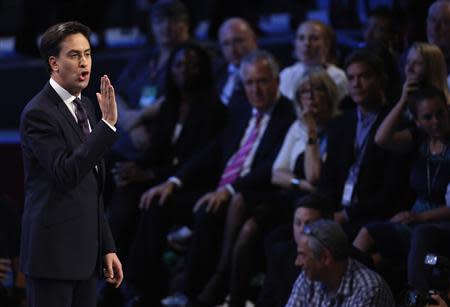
(295, 183)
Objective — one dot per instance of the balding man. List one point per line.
(236, 39)
(438, 28)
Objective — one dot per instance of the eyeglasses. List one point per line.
(308, 231)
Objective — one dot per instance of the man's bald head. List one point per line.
(438, 25)
(237, 39)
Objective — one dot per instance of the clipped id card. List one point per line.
(148, 96)
(348, 193)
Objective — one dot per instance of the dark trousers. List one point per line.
(43, 292)
(146, 271)
(281, 271)
(204, 250)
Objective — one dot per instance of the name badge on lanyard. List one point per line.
(348, 193)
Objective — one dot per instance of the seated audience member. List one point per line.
(140, 86)
(190, 116)
(438, 32)
(12, 281)
(430, 171)
(314, 45)
(364, 180)
(298, 163)
(425, 66)
(236, 39)
(382, 29)
(329, 277)
(239, 159)
(281, 270)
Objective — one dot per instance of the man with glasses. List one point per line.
(329, 276)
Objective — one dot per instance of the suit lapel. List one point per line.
(64, 111)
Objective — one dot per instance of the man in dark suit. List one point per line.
(237, 39)
(241, 157)
(365, 181)
(65, 238)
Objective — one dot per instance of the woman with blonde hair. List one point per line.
(425, 66)
(314, 46)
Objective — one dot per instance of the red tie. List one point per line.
(234, 167)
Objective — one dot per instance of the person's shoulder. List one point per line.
(286, 106)
(343, 119)
(42, 98)
(296, 68)
(332, 69)
(365, 277)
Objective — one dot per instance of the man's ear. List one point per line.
(52, 61)
(327, 258)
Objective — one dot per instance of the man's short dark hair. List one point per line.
(51, 40)
(371, 59)
(316, 201)
(169, 9)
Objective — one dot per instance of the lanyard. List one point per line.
(430, 183)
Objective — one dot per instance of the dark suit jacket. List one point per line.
(205, 120)
(382, 178)
(208, 166)
(238, 100)
(64, 232)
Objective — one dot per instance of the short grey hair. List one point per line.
(327, 234)
(260, 55)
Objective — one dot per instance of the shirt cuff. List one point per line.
(176, 181)
(230, 189)
(110, 126)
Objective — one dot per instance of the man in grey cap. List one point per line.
(329, 276)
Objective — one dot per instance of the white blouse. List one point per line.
(294, 144)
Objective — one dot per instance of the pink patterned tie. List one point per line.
(234, 167)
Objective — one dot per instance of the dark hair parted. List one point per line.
(204, 87)
(316, 201)
(371, 59)
(51, 40)
(421, 94)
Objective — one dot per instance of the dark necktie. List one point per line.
(81, 115)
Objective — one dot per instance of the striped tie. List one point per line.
(81, 115)
(234, 167)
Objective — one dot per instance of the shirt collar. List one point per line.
(232, 68)
(368, 118)
(270, 109)
(62, 92)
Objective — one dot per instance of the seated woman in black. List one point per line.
(430, 172)
(189, 117)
